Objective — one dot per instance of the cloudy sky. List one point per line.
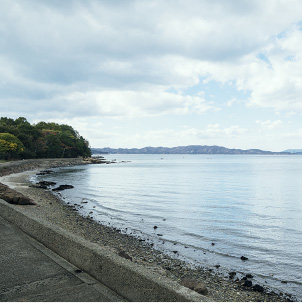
(157, 73)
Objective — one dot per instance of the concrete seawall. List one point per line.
(128, 279)
(32, 164)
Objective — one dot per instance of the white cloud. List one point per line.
(101, 44)
(277, 85)
(233, 101)
(136, 103)
(122, 59)
(295, 134)
(216, 131)
(269, 125)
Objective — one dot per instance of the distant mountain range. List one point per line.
(293, 151)
(191, 149)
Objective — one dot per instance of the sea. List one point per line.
(209, 210)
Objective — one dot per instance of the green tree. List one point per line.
(43, 140)
(10, 146)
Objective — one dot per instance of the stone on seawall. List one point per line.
(195, 285)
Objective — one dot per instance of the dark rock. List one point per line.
(124, 255)
(284, 282)
(13, 197)
(243, 258)
(62, 187)
(201, 288)
(25, 201)
(232, 274)
(44, 172)
(217, 266)
(160, 235)
(16, 199)
(41, 186)
(195, 285)
(8, 197)
(212, 243)
(46, 183)
(175, 251)
(249, 276)
(155, 227)
(258, 288)
(248, 283)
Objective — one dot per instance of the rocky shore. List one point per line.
(12, 167)
(207, 281)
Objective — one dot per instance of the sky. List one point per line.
(167, 73)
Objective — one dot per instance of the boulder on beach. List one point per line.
(13, 197)
(258, 288)
(47, 183)
(44, 172)
(195, 285)
(62, 187)
(232, 274)
(124, 255)
(247, 283)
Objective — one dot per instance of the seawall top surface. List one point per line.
(129, 280)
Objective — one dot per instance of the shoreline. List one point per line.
(52, 209)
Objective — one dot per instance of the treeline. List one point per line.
(21, 140)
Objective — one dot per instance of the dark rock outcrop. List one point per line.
(97, 160)
(248, 283)
(13, 197)
(43, 184)
(62, 187)
(258, 288)
(44, 172)
(47, 183)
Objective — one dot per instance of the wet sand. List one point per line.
(52, 209)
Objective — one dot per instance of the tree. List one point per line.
(10, 146)
(42, 140)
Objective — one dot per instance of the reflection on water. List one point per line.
(245, 205)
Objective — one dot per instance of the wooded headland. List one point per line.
(21, 140)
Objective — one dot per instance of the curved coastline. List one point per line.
(52, 209)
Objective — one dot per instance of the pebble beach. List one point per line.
(216, 286)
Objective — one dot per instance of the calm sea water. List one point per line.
(245, 205)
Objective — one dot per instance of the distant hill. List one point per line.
(191, 149)
(293, 151)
